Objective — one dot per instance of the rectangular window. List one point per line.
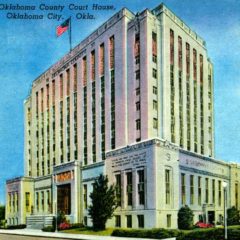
(171, 47)
(155, 90)
(68, 81)
(138, 106)
(154, 47)
(75, 77)
(42, 202)
(129, 188)
(101, 60)
(180, 53)
(84, 71)
(137, 91)
(111, 52)
(155, 105)
(93, 65)
(206, 190)
(219, 193)
(169, 220)
(167, 185)
(137, 45)
(140, 221)
(191, 189)
(187, 59)
(236, 195)
(85, 205)
(138, 124)
(137, 74)
(47, 86)
(183, 188)
(213, 191)
(27, 199)
(195, 64)
(154, 73)
(129, 221)
(61, 86)
(117, 221)
(141, 192)
(118, 189)
(199, 191)
(155, 123)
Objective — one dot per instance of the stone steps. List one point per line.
(39, 221)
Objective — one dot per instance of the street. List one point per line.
(18, 237)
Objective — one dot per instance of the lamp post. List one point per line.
(225, 209)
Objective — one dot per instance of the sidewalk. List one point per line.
(39, 233)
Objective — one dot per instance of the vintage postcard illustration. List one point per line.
(119, 118)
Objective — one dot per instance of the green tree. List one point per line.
(185, 218)
(103, 202)
(233, 217)
(2, 212)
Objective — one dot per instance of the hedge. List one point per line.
(196, 234)
(20, 226)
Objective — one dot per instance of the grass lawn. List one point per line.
(89, 231)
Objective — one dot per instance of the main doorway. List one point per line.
(64, 199)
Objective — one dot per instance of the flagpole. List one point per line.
(70, 34)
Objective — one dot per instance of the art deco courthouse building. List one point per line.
(134, 100)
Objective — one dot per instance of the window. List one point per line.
(140, 221)
(155, 90)
(199, 191)
(180, 53)
(137, 59)
(93, 65)
(141, 193)
(236, 195)
(42, 193)
(137, 45)
(206, 190)
(129, 188)
(138, 124)
(85, 196)
(154, 73)
(167, 185)
(169, 220)
(213, 191)
(117, 221)
(171, 47)
(101, 60)
(137, 91)
(111, 52)
(155, 105)
(219, 193)
(118, 189)
(68, 81)
(129, 221)
(183, 188)
(191, 189)
(155, 123)
(137, 106)
(154, 47)
(137, 74)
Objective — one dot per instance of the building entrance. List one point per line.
(211, 217)
(64, 198)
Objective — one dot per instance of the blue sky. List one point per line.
(29, 47)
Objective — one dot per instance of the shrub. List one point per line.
(185, 218)
(64, 226)
(20, 226)
(76, 225)
(196, 234)
(233, 216)
(154, 233)
(48, 229)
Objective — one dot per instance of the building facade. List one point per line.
(134, 100)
